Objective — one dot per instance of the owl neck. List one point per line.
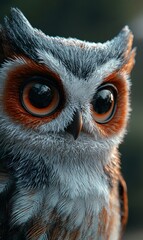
(80, 174)
(67, 190)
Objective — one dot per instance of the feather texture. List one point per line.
(56, 187)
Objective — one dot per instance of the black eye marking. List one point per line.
(104, 103)
(39, 96)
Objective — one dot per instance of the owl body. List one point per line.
(64, 106)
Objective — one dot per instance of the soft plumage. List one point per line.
(58, 186)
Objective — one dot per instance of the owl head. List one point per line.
(61, 100)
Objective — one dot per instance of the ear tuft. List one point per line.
(12, 25)
(127, 38)
(121, 48)
(17, 18)
(128, 54)
(21, 34)
(5, 46)
(123, 42)
(17, 23)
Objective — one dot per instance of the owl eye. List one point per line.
(39, 97)
(104, 103)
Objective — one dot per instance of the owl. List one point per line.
(64, 108)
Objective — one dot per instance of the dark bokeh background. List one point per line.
(99, 21)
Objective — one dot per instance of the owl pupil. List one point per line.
(40, 95)
(102, 102)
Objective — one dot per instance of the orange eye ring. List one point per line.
(104, 103)
(39, 96)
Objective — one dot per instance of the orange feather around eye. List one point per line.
(63, 179)
(119, 121)
(41, 111)
(11, 97)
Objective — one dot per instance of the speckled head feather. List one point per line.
(64, 108)
(79, 57)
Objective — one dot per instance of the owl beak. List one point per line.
(76, 125)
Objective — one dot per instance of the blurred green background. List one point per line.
(100, 20)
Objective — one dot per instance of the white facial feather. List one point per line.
(84, 158)
(77, 183)
(54, 175)
(49, 140)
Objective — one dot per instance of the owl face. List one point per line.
(62, 100)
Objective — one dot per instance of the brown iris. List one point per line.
(39, 97)
(104, 103)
